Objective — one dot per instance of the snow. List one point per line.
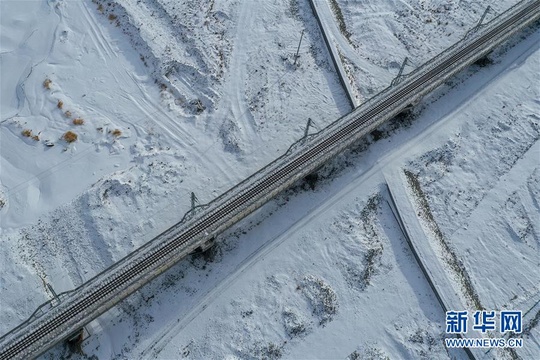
(375, 36)
(204, 93)
(316, 285)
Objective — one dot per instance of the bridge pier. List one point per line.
(484, 61)
(74, 342)
(204, 246)
(406, 112)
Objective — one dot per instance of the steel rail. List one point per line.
(91, 301)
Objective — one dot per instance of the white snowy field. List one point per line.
(374, 37)
(252, 314)
(203, 94)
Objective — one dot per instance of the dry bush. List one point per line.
(339, 17)
(26, 133)
(450, 256)
(112, 17)
(70, 136)
(78, 121)
(116, 132)
(67, 114)
(35, 137)
(47, 84)
(60, 104)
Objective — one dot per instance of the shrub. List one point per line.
(67, 114)
(60, 104)
(26, 133)
(78, 121)
(112, 17)
(339, 16)
(116, 132)
(47, 84)
(70, 136)
(35, 137)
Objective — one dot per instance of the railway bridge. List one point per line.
(53, 323)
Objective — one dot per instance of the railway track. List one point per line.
(80, 306)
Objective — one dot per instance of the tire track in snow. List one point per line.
(102, 45)
(170, 126)
(233, 104)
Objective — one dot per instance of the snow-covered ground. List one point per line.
(202, 94)
(374, 37)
